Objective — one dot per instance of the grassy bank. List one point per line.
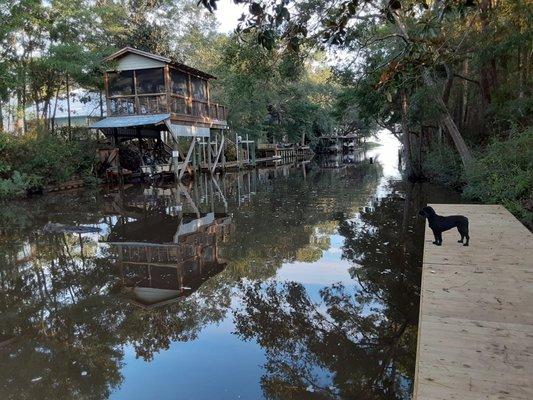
(502, 173)
(30, 162)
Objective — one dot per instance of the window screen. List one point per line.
(199, 89)
(179, 83)
(120, 83)
(150, 81)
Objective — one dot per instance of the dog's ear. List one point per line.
(422, 213)
(429, 210)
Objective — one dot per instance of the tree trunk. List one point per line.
(464, 109)
(46, 108)
(101, 105)
(19, 114)
(68, 107)
(448, 85)
(53, 119)
(446, 119)
(488, 70)
(37, 110)
(406, 137)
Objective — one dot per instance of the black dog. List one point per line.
(439, 224)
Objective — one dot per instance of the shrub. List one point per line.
(31, 161)
(443, 165)
(15, 186)
(55, 159)
(502, 174)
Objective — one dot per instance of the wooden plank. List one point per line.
(475, 336)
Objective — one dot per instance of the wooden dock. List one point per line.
(475, 337)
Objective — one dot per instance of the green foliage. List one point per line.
(15, 186)
(443, 165)
(34, 160)
(54, 159)
(273, 94)
(502, 174)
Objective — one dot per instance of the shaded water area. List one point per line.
(297, 282)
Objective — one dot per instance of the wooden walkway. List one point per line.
(475, 338)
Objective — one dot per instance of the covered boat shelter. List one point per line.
(159, 129)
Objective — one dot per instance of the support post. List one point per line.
(223, 146)
(187, 158)
(254, 156)
(220, 150)
(140, 144)
(247, 149)
(209, 151)
(237, 149)
(204, 144)
(216, 141)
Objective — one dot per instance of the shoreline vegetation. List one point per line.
(451, 80)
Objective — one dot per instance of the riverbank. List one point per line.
(499, 174)
(35, 161)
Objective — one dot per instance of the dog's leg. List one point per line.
(462, 235)
(438, 238)
(436, 241)
(464, 232)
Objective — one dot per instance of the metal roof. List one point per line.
(128, 49)
(130, 120)
(177, 65)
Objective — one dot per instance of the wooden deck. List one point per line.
(475, 338)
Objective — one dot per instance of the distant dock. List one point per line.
(475, 336)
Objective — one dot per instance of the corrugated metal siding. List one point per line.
(132, 120)
(134, 61)
(188, 130)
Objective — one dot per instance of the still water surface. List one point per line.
(299, 282)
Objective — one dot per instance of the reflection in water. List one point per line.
(349, 343)
(295, 282)
(164, 257)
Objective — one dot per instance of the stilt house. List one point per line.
(157, 101)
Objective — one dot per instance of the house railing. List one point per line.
(218, 112)
(159, 104)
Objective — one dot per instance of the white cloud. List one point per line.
(228, 14)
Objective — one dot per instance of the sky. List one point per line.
(228, 14)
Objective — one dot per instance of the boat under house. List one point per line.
(161, 104)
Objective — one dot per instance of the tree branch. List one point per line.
(466, 79)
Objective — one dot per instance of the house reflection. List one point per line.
(162, 258)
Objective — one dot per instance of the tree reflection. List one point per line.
(66, 310)
(64, 316)
(354, 342)
(290, 221)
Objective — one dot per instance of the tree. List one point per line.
(342, 24)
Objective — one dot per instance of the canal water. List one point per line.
(294, 282)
